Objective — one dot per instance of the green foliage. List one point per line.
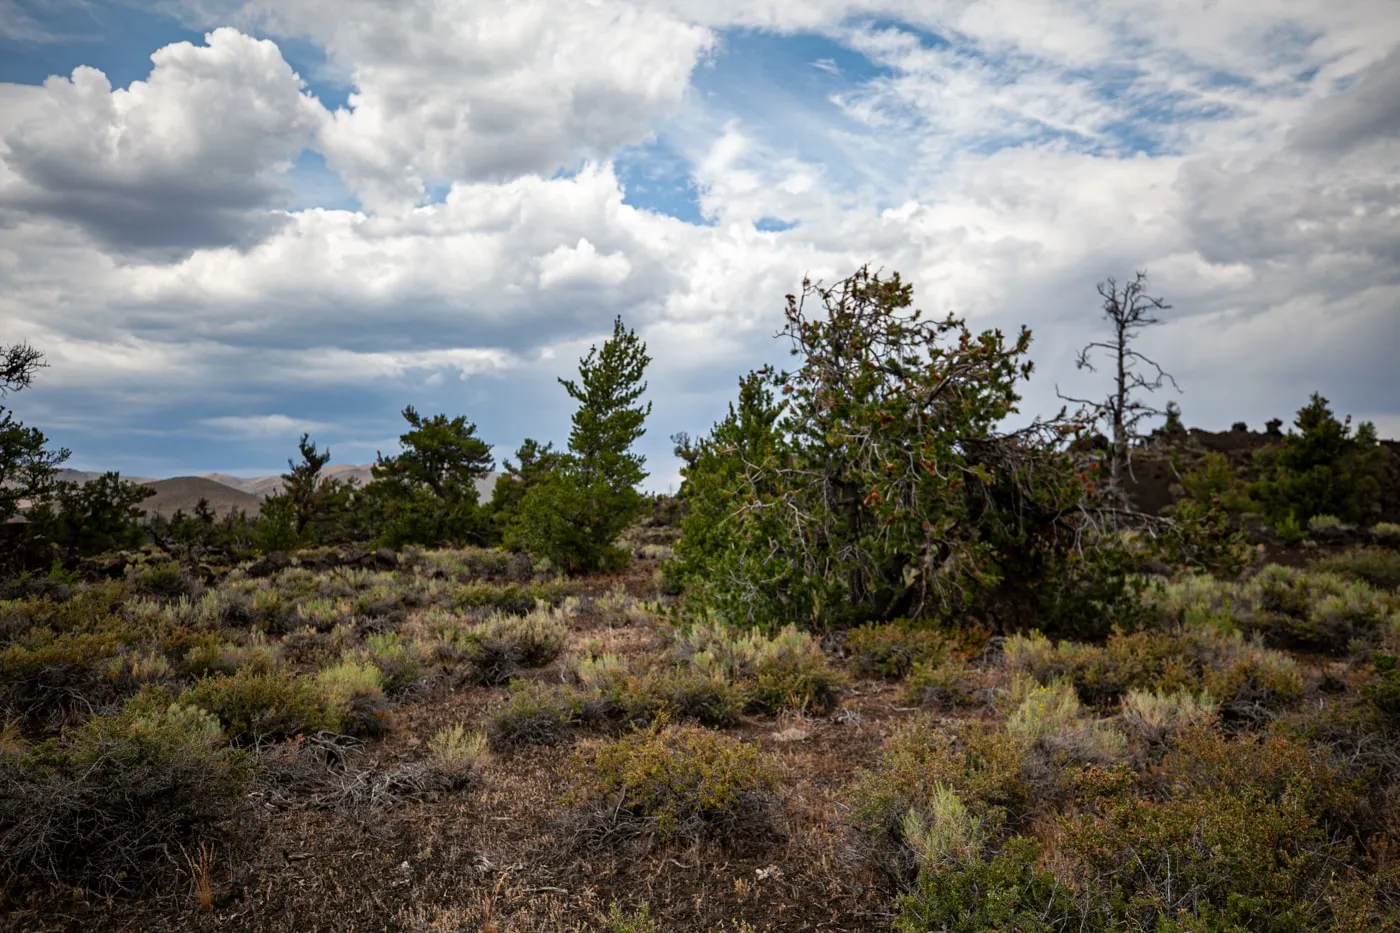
(1384, 690)
(621, 921)
(684, 778)
(1214, 480)
(1378, 567)
(785, 671)
(118, 796)
(1202, 539)
(1323, 469)
(84, 519)
(534, 462)
(28, 468)
(575, 513)
(533, 714)
(892, 649)
(1008, 893)
(316, 506)
(881, 488)
(427, 493)
(257, 706)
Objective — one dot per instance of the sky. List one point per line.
(229, 222)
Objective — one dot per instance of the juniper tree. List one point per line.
(1128, 309)
(873, 481)
(574, 515)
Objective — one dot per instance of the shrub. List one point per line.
(1157, 715)
(503, 645)
(164, 581)
(457, 756)
(677, 694)
(948, 684)
(51, 678)
(621, 921)
(123, 792)
(1384, 689)
(890, 650)
(534, 714)
(355, 691)
(948, 831)
(1378, 567)
(684, 779)
(400, 662)
(1008, 892)
(257, 707)
(785, 671)
(1051, 718)
(1325, 523)
(981, 764)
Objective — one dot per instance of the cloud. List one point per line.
(469, 90)
(1244, 156)
(263, 425)
(186, 159)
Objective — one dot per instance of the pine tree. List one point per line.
(574, 516)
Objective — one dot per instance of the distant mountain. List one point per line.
(184, 493)
(227, 493)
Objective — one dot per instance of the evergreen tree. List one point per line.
(534, 462)
(427, 493)
(317, 503)
(1322, 469)
(575, 514)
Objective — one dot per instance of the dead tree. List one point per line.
(1128, 309)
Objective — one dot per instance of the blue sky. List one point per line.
(227, 222)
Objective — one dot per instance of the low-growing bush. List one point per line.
(682, 779)
(355, 692)
(498, 649)
(457, 755)
(534, 714)
(257, 707)
(1157, 715)
(677, 693)
(785, 671)
(891, 649)
(1008, 892)
(979, 763)
(1051, 717)
(1378, 567)
(122, 794)
(948, 684)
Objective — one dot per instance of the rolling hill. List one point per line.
(227, 493)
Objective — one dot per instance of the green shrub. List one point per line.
(457, 756)
(164, 581)
(1157, 715)
(948, 684)
(979, 763)
(497, 650)
(52, 678)
(257, 707)
(785, 671)
(1378, 567)
(354, 690)
(1384, 689)
(534, 714)
(119, 796)
(1052, 718)
(621, 921)
(511, 598)
(675, 693)
(400, 662)
(891, 649)
(685, 779)
(1009, 893)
